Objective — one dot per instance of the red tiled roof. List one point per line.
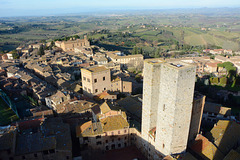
(30, 124)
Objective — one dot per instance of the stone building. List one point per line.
(122, 86)
(214, 112)
(95, 80)
(37, 139)
(111, 132)
(168, 95)
(197, 113)
(129, 60)
(56, 99)
(71, 44)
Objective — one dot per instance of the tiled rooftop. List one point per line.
(225, 135)
(110, 123)
(204, 148)
(97, 69)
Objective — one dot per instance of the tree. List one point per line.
(157, 53)
(76, 36)
(41, 51)
(135, 50)
(141, 51)
(43, 41)
(15, 54)
(212, 57)
(223, 81)
(51, 45)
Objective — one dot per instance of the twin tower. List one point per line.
(168, 91)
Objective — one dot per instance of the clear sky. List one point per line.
(47, 7)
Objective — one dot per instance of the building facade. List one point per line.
(95, 80)
(197, 113)
(167, 95)
(71, 44)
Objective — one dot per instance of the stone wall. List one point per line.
(167, 105)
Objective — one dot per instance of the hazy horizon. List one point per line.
(13, 8)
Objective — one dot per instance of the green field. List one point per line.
(7, 115)
(153, 27)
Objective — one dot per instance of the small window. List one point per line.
(103, 78)
(106, 141)
(118, 132)
(125, 131)
(164, 107)
(163, 145)
(23, 157)
(95, 80)
(104, 89)
(119, 145)
(89, 90)
(119, 139)
(35, 155)
(96, 90)
(88, 80)
(84, 78)
(112, 133)
(112, 140)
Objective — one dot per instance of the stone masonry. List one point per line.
(167, 105)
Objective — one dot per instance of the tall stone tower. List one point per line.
(167, 105)
(196, 119)
(151, 85)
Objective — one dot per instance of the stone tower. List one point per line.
(167, 105)
(151, 85)
(197, 112)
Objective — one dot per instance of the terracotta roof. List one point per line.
(107, 106)
(30, 124)
(112, 123)
(211, 64)
(32, 143)
(74, 106)
(225, 135)
(186, 156)
(102, 95)
(97, 69)
(84, 127)
(131, 105)
(89, 129)
(204, 148)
